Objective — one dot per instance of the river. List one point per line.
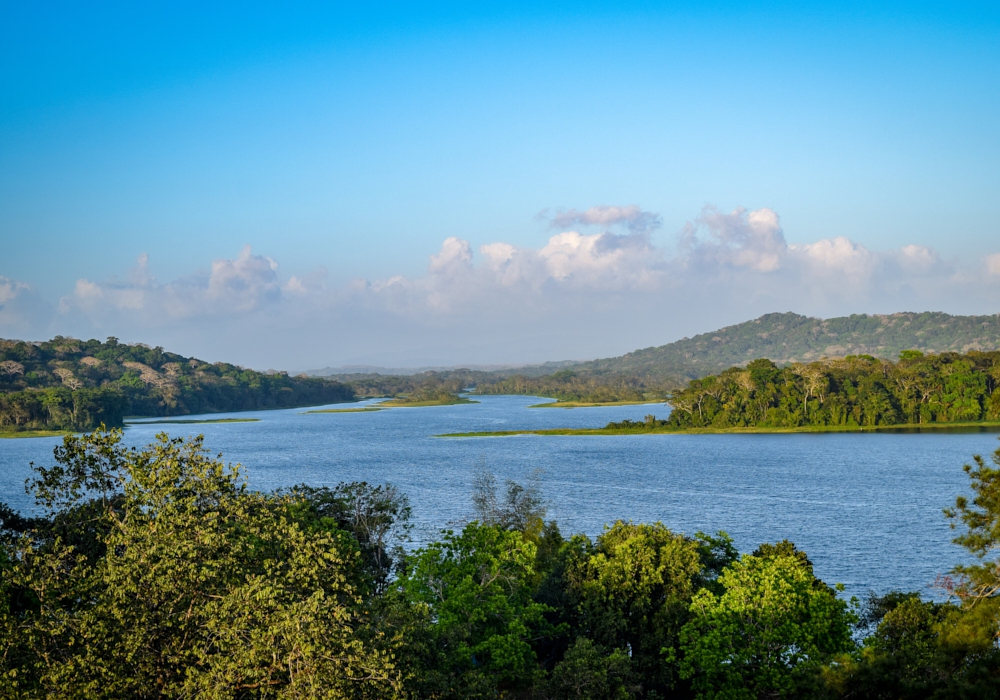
(865, 507)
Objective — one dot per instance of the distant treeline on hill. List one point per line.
(651, 373)
(789, 337)
(858, 390)
(570, 385)
(68, 384)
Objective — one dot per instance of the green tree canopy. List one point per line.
(769, 625)
(204, 588)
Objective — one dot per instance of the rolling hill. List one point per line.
(789, 337)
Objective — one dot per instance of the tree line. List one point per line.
(68, 384)
(856, 391)
(573, 385)
(157, 572)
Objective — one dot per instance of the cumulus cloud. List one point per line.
(230, 286)
(740, 239)
(631, 217)
(578, 294)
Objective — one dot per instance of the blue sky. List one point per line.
(347, 141)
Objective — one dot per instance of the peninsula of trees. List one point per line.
(158, 573)
(68, 384)
(853, 393)
(856, 391)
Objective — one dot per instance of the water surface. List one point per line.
(865, 507)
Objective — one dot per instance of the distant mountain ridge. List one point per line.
(790, 337)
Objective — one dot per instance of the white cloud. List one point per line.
(838, 255)
(455, 254)
(740, 239)
(577, 295)
(245, 283)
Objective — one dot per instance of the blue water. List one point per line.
(865, 507)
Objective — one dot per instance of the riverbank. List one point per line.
(587, 404)
(395, 403)
(33, 433)
(977, 426)
(399, 403)
(181, 421)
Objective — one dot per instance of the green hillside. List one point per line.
(69, 384)
(789, 337)
(651, 373)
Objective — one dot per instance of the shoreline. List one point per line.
(395, 403)
(181, 421)
(4, 434)
(586, 404)
(977, 426)
(391, 403)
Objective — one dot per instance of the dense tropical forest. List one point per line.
(856, 391)
(68, 384)
(570, 385)
(157, 573)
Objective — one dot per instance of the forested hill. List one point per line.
(790, 337)
(68, 384)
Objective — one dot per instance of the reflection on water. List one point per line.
(865, 506)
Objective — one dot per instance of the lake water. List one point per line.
(865, 507)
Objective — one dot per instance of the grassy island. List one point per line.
(33, 433)
(181, 421)
(593, 404)
(614, 429)
(402, 402)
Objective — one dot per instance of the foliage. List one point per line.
(71, 384)
(574, 385)
(791, 338)
(203, 588)
(769, 626)
(651, 373)
(857, 391)
(589, 671)
(979, 584)
(156, 572)
(378, 517)
(475, 588)
(919, 649)
(632, 590)
(428, 385)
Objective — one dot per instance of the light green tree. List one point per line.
(772, 622)
(475, 590)
(631, 591)
(203, 588)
